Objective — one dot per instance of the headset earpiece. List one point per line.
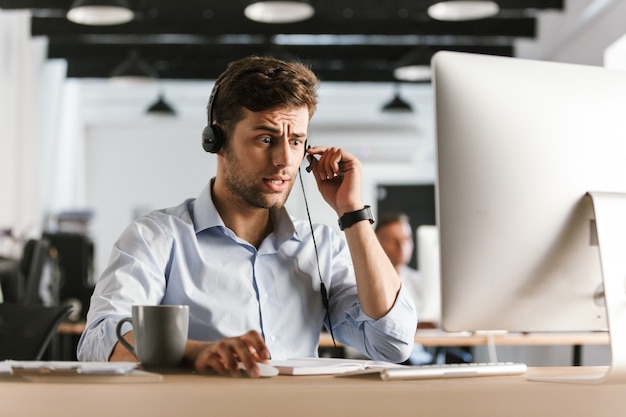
(212, 136)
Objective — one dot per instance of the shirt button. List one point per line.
(272, 338)
(265, 295)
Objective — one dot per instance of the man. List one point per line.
(395, 235)
(248, 271)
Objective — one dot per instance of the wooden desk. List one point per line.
(432, 337)
(71, 328)
(440, 338)
(197, 395)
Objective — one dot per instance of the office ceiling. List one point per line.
(346, 40)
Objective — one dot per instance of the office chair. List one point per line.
(26, 330)
(11, 280)
(41, 273)
(75, 264)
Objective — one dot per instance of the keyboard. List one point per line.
(449, 370)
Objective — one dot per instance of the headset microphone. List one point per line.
(212, 135)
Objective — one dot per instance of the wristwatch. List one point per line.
(348, 219)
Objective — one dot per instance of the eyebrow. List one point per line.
(277, 131)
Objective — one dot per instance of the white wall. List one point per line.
(27, 84)
(615, 54)
(580, 35)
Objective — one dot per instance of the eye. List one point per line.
(265, 139)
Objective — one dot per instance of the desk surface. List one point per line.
(433, 337)
(439, 338)
(70, 327)
(201, 395)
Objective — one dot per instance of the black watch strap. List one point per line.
(348, 219)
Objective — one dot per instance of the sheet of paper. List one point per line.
(67, 367)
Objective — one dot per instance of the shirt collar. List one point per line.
(206, 216)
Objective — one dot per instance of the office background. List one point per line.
(71, 144)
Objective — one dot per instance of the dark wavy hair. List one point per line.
(259, 84)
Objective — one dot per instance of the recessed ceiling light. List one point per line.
(279, 11)
(463, 10)
(99, 13)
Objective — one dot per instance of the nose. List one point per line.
(282, 153)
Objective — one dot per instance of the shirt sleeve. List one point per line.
(135, 275)
(390, 338)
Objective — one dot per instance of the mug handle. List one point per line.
(120, 337)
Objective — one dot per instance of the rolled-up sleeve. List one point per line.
(390, 338)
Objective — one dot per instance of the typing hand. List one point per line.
(225, 355)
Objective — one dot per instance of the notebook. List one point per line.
(77, 372)
(326, 366)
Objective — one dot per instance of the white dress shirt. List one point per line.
(185, 255)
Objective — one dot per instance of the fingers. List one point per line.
(224, 356)
(330, 162)
(254, 351)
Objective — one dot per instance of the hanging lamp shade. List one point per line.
(279, 11)
(458, 10)
(397, 104)
(133, 69)
(414, 66)
(161, 107)
(100, 12)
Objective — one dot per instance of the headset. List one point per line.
(212, 141)
(212, 135)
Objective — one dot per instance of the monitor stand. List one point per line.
(610, 214)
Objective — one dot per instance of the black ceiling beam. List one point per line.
(331, 53)
(356, 64)
(518, 27)
(328, 6)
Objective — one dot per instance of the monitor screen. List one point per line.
(520, 143)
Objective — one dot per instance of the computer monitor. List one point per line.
(520, 145)
(428, 260)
